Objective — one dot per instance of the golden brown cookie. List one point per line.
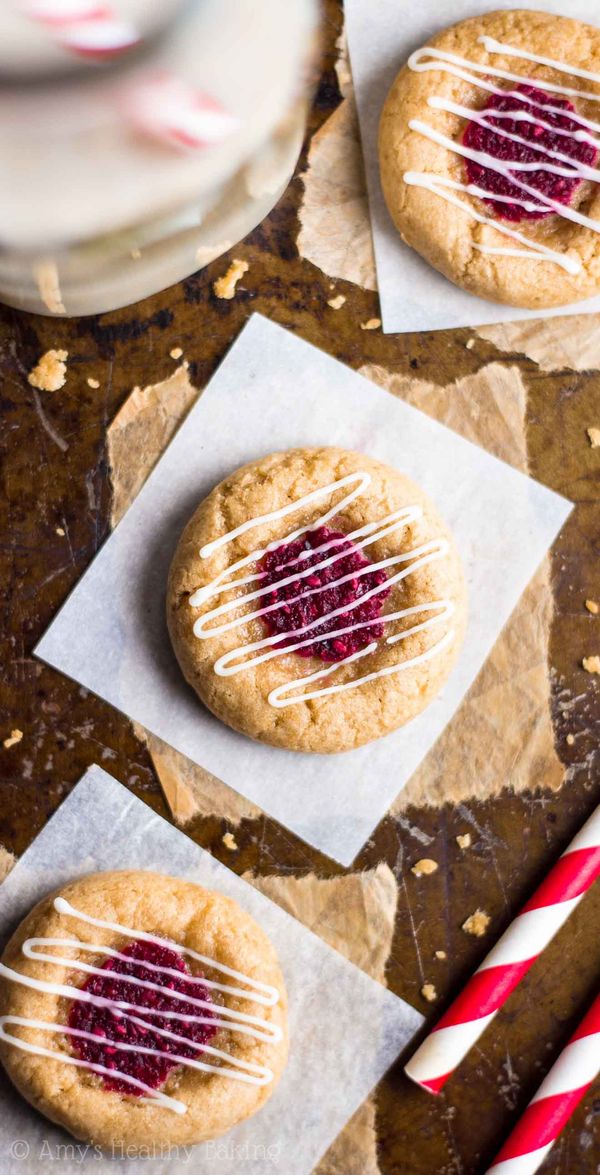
(151, 1042)
(316, 600)
(491, 177)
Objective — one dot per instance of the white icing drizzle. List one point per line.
(271, 993)
(494, 46)
(279, 691)
(443, 63)
(430, 59)
(451, 63)
(438, 184)
(240, 659)
(102, 1070)
(231, 1019)
(363, 480)
(582, 136)
(492, 164)
(574, 167)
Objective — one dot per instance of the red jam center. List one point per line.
(559, 188)
(301, 602)
(112, 1024)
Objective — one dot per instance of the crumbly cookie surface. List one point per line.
(187, 915)
(446, 236)
(345, 719)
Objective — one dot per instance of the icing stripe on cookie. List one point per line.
(440, 185)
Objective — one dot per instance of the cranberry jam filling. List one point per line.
(559, 188)
(110, 1023)
(301, 604)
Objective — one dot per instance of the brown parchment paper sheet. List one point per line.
(7, 860)
(552, 343)
(191, 791)
(142, 429)
(502, 735)
(335, 233)
(355, 915)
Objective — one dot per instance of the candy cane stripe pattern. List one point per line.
(524, 940)
(548, 1112)
(83, 26)
(170, 110)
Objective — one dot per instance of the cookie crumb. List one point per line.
(60, 531)
(428, 992)
(591, 664)
(441, 955)
(93, 383)
(176, 352)
(135, 254)
(476, 923)
(592, 607)
(230, 842)
(464, 840)
(337, 302)
(594, 435)
(470, 343)
(424, 867)
(48, 283)
(224, 287)
(371, 324)
(570, 740)
(14, 738)
(50, 372)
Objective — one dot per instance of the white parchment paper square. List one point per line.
(274, 391)
(345, 1028)
(381, 37)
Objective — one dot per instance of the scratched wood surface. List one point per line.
(54, 513)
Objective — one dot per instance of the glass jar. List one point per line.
(106, 194)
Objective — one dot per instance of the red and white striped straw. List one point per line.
(549, 1111)
(83, 26)
(521, 944)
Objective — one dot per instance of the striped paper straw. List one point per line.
(556, 1099)
(489, 988)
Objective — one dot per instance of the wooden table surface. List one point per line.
(54, 474)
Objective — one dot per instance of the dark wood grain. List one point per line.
(54, 475)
